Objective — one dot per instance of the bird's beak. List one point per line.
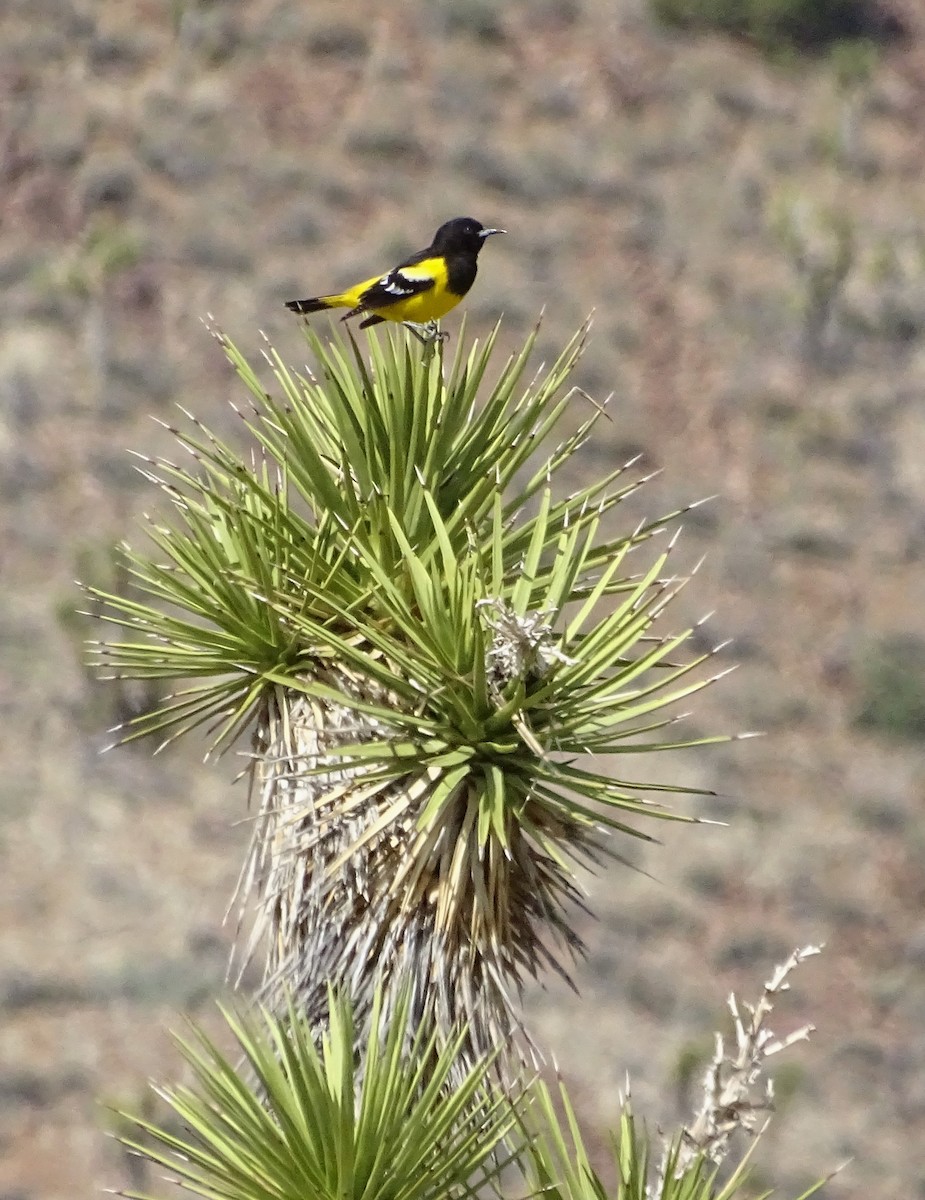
(484, 233)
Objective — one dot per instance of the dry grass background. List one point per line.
(159, 163)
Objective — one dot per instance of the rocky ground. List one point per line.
(158, 163)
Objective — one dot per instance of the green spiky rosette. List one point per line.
(347, 1115)
(437, 657)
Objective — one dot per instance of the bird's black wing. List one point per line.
(409, 278)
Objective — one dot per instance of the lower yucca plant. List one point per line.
(390, 1113)
(306, 1116)
(439, 658)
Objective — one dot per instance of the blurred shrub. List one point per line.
(789, 1080)
(892, 687)
(820, 245)
(892, 303)
(782, 23)
(339, 40)
(106, 248)
(854, 66)
(854, 63)
(481, 20)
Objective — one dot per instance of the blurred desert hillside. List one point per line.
(749, 230)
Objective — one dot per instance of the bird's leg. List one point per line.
(412, 328)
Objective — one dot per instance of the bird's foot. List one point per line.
(429, 334)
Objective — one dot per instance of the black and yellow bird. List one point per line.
(419, 290)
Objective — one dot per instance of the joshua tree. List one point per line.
(438, 663)
(438, 660)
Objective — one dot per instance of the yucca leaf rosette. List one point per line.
(439, 659)
(334, 1115)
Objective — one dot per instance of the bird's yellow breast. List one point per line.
(428, 306)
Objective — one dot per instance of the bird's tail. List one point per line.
(316, 304)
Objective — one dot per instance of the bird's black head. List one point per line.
(462, 235)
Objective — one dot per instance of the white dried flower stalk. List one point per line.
(736, 1091)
